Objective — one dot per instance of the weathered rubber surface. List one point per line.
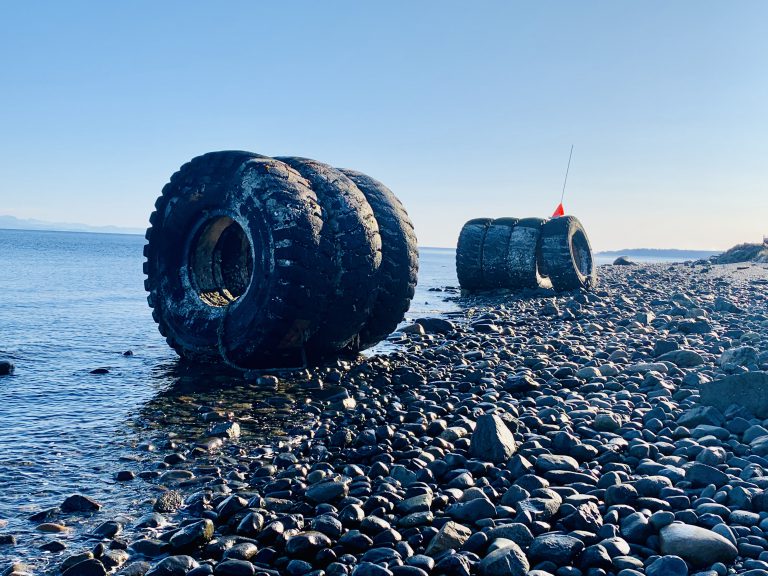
(469, 253)
(399, 268)
(566, 254)
(189, 328)
(522, 255)
(494, 255)
(351, 230)
(281, 308)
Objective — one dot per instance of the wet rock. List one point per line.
(6, 367)
(492, 440)
(327, 491)
(697, 546)
(139, 568)
(226, 430)
(307, 544)
(234, 568)
(91, 567)
(7, 540)
(174, 566)
(51, 527)
(169, 501)
(79, 503)
(193, 535)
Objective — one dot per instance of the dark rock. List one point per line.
(472, 511)
(234, 568)
(7, 540)
(700, 475)
(327, 491)
(624, 261)
(173, 566)
(79, 503)
(506, 561)
(307, 544)
(667, 566)
(436, 325)
(193, 535)
(701, 415)
(370, 569)
(6, 367)
(492, 440)
(108, 529)
(90, 567)
(558, 548)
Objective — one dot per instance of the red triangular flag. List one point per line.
(559, 211)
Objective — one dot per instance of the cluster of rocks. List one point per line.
(621, 432)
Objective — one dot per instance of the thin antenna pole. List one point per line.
(566, 174)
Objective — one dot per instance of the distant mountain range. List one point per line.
(13, 223)
(662, 253)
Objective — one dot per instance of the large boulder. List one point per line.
(492, 441)
(697, 546)
(749, 389)
(740, 356)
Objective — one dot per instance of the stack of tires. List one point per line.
(516, 254)
(266, 262)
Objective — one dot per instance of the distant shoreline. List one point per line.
(57, 231)
(637, 252)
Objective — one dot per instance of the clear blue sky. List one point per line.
(463, 109)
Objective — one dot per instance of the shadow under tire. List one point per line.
(398, 273)
(566, 254)
(234, 268)
(469, 253)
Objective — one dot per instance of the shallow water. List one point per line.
(73, 302)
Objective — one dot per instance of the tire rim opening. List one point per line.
(582, 255)
(221, 262)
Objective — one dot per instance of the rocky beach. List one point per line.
(622, 431)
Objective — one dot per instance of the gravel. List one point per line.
(619, 432)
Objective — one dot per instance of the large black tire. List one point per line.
(566, 254)
(235, 261)
(399, 268)
(495, 250)
(522, 255)
(350, 227)
(469, 253)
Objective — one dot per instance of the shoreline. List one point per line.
(380, 466)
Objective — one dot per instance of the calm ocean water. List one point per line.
(70, 303)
